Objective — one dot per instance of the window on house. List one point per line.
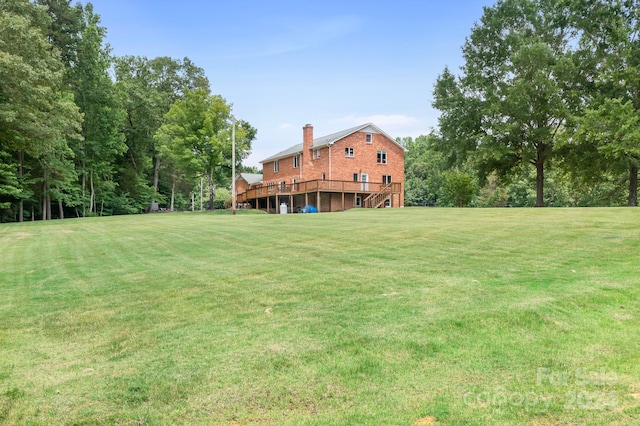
(348, 151)
(387, 202)
(355, 177)
(358, 201)
(324, 176)
(270, 186)
(276, 166)
(316, 154)
(382, 157)
(296, 161)
(369, 138)
(386, 179)
(283, 185)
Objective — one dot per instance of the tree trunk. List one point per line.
(49, 216)
(633, 186)
(539, 183)
(212, 192)
(173, 193)
(20, 172)
(92, 199)
(84, 184)
(60, 206)
(156, 174)
(156, 178)
(44, 199)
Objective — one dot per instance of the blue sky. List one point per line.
(283, 64)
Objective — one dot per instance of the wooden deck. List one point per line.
(289, 192)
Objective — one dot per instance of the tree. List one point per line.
(37, 113)
(424, 167)
(515, 94)
(64, 28)
(97, 98)
(196, 136)
(606, 135)
(149, 88)
(458, 188)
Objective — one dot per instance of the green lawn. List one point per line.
(372, 317)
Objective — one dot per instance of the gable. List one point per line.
(364, 128)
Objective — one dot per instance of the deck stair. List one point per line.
(378, 199)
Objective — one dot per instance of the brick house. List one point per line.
(357, 167)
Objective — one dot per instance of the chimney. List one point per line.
(307, 137)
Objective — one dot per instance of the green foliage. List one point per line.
(38, 117)
(458, 188)
(196, 138)
(424, 166)
(9, 181)
(513, 98)
(492, 194)
(223, 198)
(104, 116)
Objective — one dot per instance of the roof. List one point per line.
(323, 141)
(250, 178)
(296, 149)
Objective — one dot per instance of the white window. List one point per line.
(270, 186)
(386, 179)
(348, 152)
(283, 185)
(276, 166)
(296, 161)
(316, 154)
(382, 157)
(369, 138)
(358, 201)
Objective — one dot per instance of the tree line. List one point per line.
(544, 111)
(85, 133)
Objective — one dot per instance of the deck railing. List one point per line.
(375, 200)
(318, 186)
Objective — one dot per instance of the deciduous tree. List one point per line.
(515, 95)
(197, 136)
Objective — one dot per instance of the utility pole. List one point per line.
(233, 166)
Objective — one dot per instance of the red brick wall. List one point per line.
(241, 186)
(340, 167)
(365, 160)
(313, 169)
(285, 172)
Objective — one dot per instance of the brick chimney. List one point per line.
(307, 137)
(307, 155)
